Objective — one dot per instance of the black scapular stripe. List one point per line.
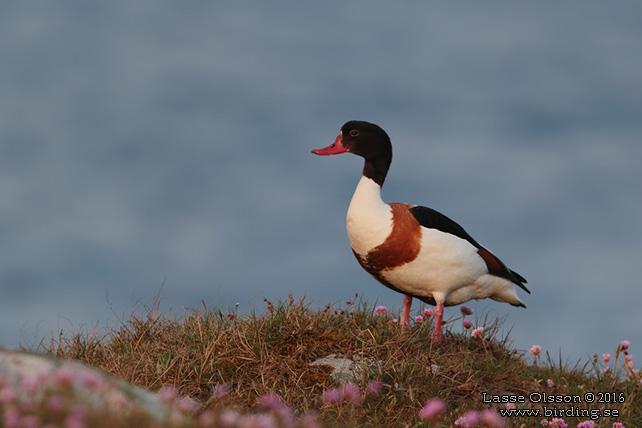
(431, 219)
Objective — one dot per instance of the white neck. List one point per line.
(369, 220)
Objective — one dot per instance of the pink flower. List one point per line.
(220, 391)
(270, 401)
(91, 379)
(624, 345)
(617, 425)
(229, 418)
(433, 408)
(535, 350)
(261, 420)
(465, 310)
(30, 384)
(550, 383)
(206, 419)
(586, 424)
(331, 396)
(491, 418)
(284, 414)
(467, 323)
(557, 423)
(374, 387)
(167, 393)
(273, 402)
(419, 319)
(56, 403)
(468, 419)
(348, 392)
(381, 309)
(76, 418)
(118, 398)
(477, 332)
(428, 312)
(11, 418)
(606, 357)
(510, 406)
(186, 405)
(63, 376)
(7, 395)
(310, 420)
(628, 358)
(352, 393)
(606, 370)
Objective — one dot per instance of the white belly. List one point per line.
(445, 269)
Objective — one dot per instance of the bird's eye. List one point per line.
(354, 133)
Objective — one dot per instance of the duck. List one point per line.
(413, 249)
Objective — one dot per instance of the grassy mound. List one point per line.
(233, 366)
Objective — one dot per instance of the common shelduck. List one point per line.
(413, 249)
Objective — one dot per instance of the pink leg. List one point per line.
(405, 313)
(439, 317)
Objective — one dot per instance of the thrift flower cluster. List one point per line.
(348, 393)
(432, 409)
(478, 332)
(629, 368)
(467, 324)
(630, 371)
(557, 423)
(489, 417)
(275, 413)
(465, 310)
(381, 309)
(429, 312)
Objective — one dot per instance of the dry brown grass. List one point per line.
(270, 353)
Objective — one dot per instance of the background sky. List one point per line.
(156, 142)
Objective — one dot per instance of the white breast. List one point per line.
(369, 220)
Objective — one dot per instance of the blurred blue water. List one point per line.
(160, 142)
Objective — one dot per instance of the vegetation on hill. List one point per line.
(254, 370)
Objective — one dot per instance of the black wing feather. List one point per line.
(431, 219)
(427, 217)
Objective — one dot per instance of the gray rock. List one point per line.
(31, 376)
(345, 369)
